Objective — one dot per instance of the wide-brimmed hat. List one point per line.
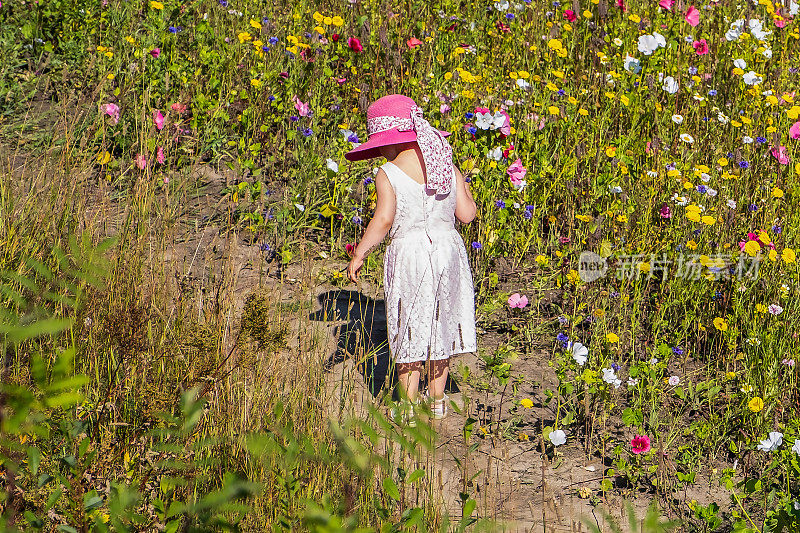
(397, 119)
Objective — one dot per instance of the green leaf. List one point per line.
(415, 475)
(390, 488)
(34, 456)
(92, 501)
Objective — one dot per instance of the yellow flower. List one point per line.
(777, 192)
(761, 308)
(103, 157)
(756, 404)
(721, 324)
(337, 20)
(731, 375)
(318, 17)
(255, 24)
(788, 255)
(573, 276)
(553, 110)
(244, 36)
(448, 76)
(585, 218)
(752, 248)
(327, 21)
(635, 19)
(582, 112)
(794, 112)
(764, 237)
(694, 216)
(611, 151)
(622, 218)
(644, 266)
(773, 255)
(554, 44)
(527, 403)
(722, 161)
(691, 245)
(708, 220)
(130, 39)
(541, 260)
(612, 338)
(255, 83)
(625, 100)
(599, 313)
(156, 5)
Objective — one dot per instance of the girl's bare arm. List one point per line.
(381, 220)
(465, 205)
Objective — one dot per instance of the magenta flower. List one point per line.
(794, 131)
(701, 47)
(665, 212)
(517, 301)
(692, 16)
(640, 444)
(780, 154)
(141, 161)
(302, 108)
(112, 110)
(160, 157)
(155, 52)
(666, 4)
(516, 171)
(570, 15)
(158, 119)
(354, 44)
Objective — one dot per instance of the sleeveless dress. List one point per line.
(430, 300)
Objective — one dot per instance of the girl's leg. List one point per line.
(437, 378)
(408, 376)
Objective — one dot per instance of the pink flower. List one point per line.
(444, 108)
(666, 4)
(515, 300)
(621, 5)
(155, 52)
(413, 42)
(349, 248)
(640, 444)
(692, 16)
(780, 22)
(481, 110)
(570, 15)
(341, 81)
(665, 212)
(160, 157)
(178, 107)
(701, 47)
(141, 161)
(158, 119)
(780, 154)
(302, 108)
(112, 110)
(516, 171)
(794, 131)
(354, 44)
(505, 129)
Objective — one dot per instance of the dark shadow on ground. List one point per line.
(363, 336)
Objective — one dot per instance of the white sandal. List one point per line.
(439, 407)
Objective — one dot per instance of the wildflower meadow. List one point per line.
(182, 350)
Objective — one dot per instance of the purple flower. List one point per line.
(469, 116)
(530, 207)
(223, 3)
(273, 40)
(510, 16)
(677, 350)
(500, 204)
(356, 220)
(174, 29)
(307, 132)
(473, 130)
(476, 245)
(353, 138)
(692, 71)
(760, 140)
(752, 207)
(368, 181)
(615, 366)
(271, 98)
(614, 294)
(712, 92)
(265, 247)
(265, 21)
(701, 188)
(563, 320)
(527, 215)
(294, 118)
(744, 164)
(265, 48)
(776, 229)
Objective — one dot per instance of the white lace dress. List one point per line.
(430, 300)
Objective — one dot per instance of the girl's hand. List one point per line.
(354, 267)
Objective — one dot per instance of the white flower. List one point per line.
(771, 443)
(796, 504)
(502, 5)
(652, 174)
(332, 165)
(301, 207)
(522, 84)
(610, 377)
(617, 41)
(711, 192)
(677, 119)
(648, 44)
(735, 30)
(794, 10)
(731, 204)
(674, 381)
(653, 361)
(685, 137)
(689, 39)
(671, 85)
(519, 185)
(632, 64)
(579, 352)
(486, 121)
(616, 189)
(767, 53)
(747, 140)
(495, 154)
(740, 63)
(632, 382)
(757, 31)
(610, 80)
(775, 309)
(751, 78)
(722, 118)
(796, 447)
(705, 177)
(558, 437)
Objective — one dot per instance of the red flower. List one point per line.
(335, 37)
(621, 5)
(350, 248)
(570, 15)
(640, 444)
(701, 47)
(505, 28)
(413, 42)
(155, 52)
(354, 44)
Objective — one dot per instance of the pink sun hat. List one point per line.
(397, 119)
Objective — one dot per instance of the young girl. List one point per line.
(430, 309)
